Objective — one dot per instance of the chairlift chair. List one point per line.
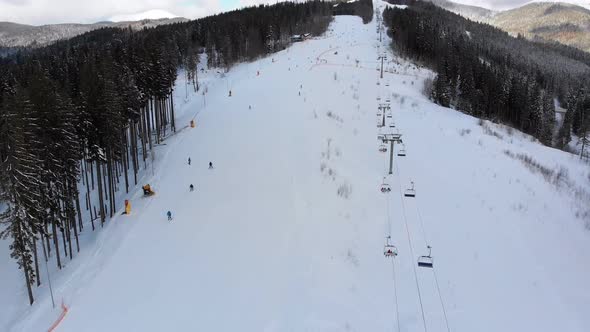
(383, 148)
(426, 261)
(392, 125)
(411, 192)
(385, 188)
(388, 100)
(389, 250)
(389, 116)
(402, 152)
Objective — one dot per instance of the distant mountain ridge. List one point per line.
(471, 12)
(22, 35)
(565, 23)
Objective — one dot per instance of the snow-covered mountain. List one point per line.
(18, 35)
(288, 231)
(566, 23)
(472, 12)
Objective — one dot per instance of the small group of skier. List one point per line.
(191, 187)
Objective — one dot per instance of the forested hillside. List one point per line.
(94, 106)
(487, 73)
(362, 8)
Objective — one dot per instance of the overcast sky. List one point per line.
(38, 12)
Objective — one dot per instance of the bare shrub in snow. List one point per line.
(351, 257)
(333, 116)
(344, 190)
(509, 131)
(464, 132)
(428, 86)
(488, 130)
(560, 178)
(533, 165)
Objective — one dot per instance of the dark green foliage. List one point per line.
(102, 100)
(362, 8)
(485, 72)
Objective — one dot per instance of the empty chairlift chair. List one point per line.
(389, 250)
(402, 151)
(383, 148)
(411, 192)
(426, 261)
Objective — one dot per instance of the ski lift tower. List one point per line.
(391, 139)
(382, 57)
(383, 108)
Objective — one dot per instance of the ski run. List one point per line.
(288, 230)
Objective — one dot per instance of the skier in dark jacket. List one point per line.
(191, 187)
(189, 160)
(210, 165)
(169, 214)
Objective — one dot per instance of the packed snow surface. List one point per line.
(287, 232)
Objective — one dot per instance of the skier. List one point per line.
(191, 187)
(169, 214)
(210, 165)
(189, 160)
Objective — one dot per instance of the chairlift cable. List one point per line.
(411, 250)
(387, 202)
(442, 303)
(395, 296)
(392, 263)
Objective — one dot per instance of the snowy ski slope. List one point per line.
(286, 233)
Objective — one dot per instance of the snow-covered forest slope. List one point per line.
(23, 35)
(563, 22)
(287, 231)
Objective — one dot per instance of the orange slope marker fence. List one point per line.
(64, 311)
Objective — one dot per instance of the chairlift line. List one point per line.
(402, 152)
(389, 250)
(410, 192)
(426, 261)
(385, 187)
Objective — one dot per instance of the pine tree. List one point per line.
(20, 175)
